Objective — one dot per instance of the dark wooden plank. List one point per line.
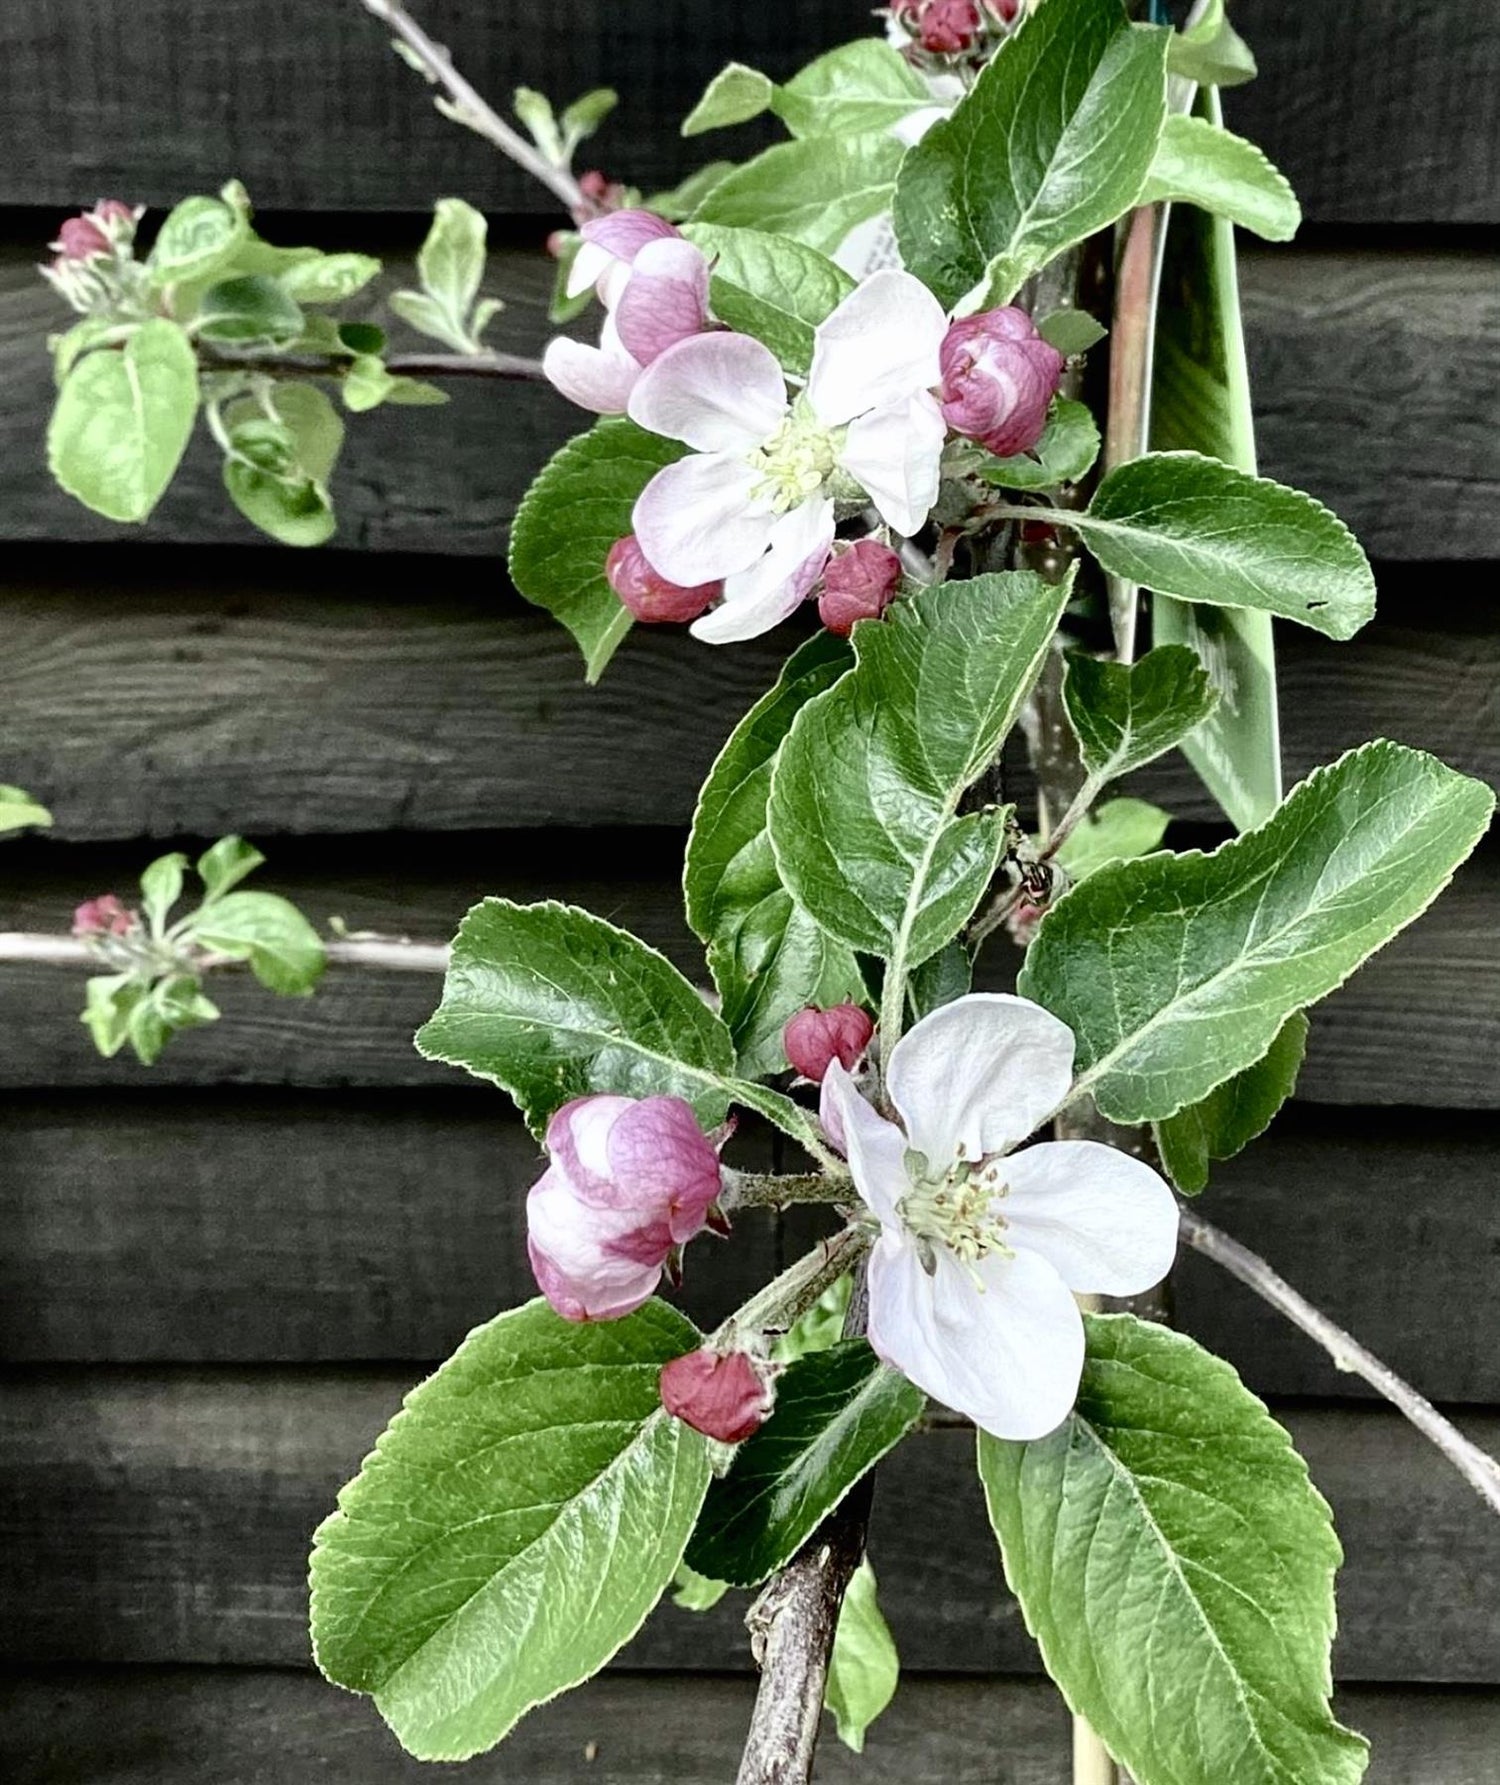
(340, 1229)
(312, 111)
(1419, 1025)
(164, 1517)
(168, 1726)
(187, 696)
(1354, 362)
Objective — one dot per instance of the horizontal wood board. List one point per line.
(172, 1726)
(307, 105)
(1375, 377)
(150, 1516)
(174, 1228)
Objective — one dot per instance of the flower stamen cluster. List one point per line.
(957, 1211)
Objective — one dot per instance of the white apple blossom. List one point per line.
(753, 503)
(982, 1249)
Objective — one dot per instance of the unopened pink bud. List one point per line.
(630, 1180)
(950, 26)
(80, 238)
(814, 1038)
(999, 379)
(650, 597)
(104, 916)
(114, 210)
(1007, 11)
(858, 585)
(722, 1395)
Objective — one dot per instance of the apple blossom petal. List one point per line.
(978, 1075)
(599, 378)
(590, 264)
(623, 234)
(665, 300)
(879, 347)
(1008, 1354)
(578, 1140)
(874, 1147)
(699, 520)
(715, 392)
(896, 453)
(763, 596)
(582, 1258)
(1106, 1223)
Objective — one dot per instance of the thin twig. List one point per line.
(1480, 1470)
(385, 953)
(511, 367)
(469, 109)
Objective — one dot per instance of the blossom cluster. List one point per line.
(738, 533)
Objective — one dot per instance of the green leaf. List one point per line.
(815, 191)
(108, 1001)
(161, 888)
(772, 288)
(249, 312)
(1119, 830)
(551, 1003)
(861, 86)
(286, 495)
(513, 1528)
(222, 867)
(85, 336)
(1213, 168)
(767, 956)
(983, 200)
(1071, 331)
(1190, 526)
(19, 811)
(367, 384)
(818, 1328)
(1222, 948)
(734, 96)
(583, 117)
(1127, 714)
(284, 951)
(1065, 453)
(450, 263)
(328, 278)
(864, 810)
(682, 200)
(123, 421)
(1212, 52)
(864, 1668)
(356, 338)
(1176, 1566)
(156, 1015)
(1201, 401)
(294, 511)
(837, 1413)
(575, 511)
(696, 1592)
(1239, 1111)
(200, 237)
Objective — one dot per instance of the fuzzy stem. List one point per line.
(469, 109)
(1481, 1471)
(753, 1190)
(385, 953)
(791, 1294)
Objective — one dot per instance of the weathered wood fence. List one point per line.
(217, 1279)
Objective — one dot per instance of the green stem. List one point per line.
(791, 1294)
(756, 1190)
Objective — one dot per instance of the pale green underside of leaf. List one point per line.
(1126, 715)
(815, 191)
(18, 810)
(1187, 525)
(768, 957)
(1176, 1566)
(123, 420)
(1177, 971)
(734, 96)
(1201, 402)
(574, 512)
(864, 798)
(552, 1003)
(837, 1413)
(1204, 165)
(864, 1668)
(1239, 1111)
(513, 1528)
(772, 288)
(1052, 143)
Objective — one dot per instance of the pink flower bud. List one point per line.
(858, 585)
(593, 184)
(999, 379)
(114, 210)
(1006, 11)
(104, 916)
(950, 26)
(814, 1038)
(724, 1396)
(629, 1181)
(80, 238)
(651, 597)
